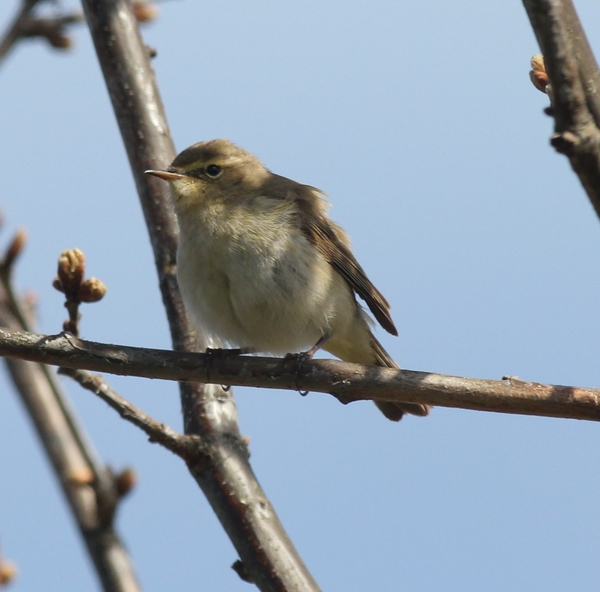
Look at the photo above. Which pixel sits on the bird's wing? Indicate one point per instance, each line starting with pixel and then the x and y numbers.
pixel 333 243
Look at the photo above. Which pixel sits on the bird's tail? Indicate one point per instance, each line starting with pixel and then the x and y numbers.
pixel 394 411
pixel 360 346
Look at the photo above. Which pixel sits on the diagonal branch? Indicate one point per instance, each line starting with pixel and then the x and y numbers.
pixel 575 88
pixel 184 446
pixel 227 479
pixel 347 382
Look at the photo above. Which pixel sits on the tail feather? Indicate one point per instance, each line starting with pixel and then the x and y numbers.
pixel 394 411
pixel 360 346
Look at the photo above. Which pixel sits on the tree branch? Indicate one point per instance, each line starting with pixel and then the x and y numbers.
pixel 575 88
pixel 184 446
pixel 347 382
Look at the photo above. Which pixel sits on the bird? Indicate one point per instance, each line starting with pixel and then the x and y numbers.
pixel 262 267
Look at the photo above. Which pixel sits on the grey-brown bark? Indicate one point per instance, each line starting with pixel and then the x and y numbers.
pixel 347 382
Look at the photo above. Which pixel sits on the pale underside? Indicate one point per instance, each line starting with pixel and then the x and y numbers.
pixel 257 284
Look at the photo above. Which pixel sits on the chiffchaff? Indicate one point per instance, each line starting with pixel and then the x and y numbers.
pixel 262 267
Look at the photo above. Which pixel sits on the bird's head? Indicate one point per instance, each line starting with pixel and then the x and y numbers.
pixel 215 170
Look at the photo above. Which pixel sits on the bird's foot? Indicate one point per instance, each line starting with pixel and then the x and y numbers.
pixel 302 357
pixel 299 359
pixel 223 351
pixel 214 353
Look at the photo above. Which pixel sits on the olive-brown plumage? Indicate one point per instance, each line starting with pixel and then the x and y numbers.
pixel 261 266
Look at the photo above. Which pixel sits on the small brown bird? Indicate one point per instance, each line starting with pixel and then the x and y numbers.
pixel 262 267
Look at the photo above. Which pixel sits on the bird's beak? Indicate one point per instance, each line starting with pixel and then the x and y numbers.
pixel 166 175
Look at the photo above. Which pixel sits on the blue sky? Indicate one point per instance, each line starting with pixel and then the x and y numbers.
pixel 420 123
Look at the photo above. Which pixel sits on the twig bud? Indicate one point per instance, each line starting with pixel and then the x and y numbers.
pixel 82 476
pixel 92 290
pixel 538 74
pixel 8 572
pixel 57 285
pixel 144 11
pixel 15 248
pixel 58 40
pixel 125 481
pixel 71 269
pixel 240 569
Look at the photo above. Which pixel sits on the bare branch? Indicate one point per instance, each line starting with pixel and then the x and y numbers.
pixel 575 88
pixel 226 478
pixel 347 382
pixel 184 446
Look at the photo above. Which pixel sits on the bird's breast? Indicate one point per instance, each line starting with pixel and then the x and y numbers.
pixel 256 281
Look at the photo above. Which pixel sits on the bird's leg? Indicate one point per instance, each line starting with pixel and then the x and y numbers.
pixel 315 348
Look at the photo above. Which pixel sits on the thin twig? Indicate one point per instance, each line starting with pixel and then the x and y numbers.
pixel 24 26
pixel 347 382
pixel 181 445
pixel 14 31
pixel 54 30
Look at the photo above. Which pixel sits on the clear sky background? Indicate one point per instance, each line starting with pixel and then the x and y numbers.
pixel 420 122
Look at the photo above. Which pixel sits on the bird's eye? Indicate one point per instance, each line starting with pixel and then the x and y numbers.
pixel 213 170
